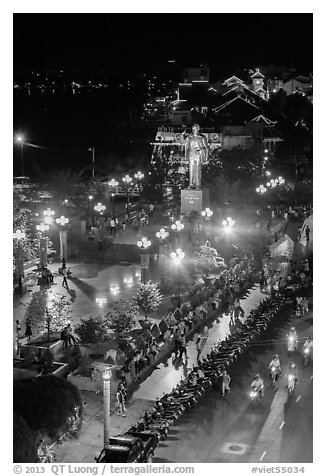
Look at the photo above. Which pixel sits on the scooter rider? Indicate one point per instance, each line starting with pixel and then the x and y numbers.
pixel 275 366
pixel 308 344
pixel 292 339
pixel 258 384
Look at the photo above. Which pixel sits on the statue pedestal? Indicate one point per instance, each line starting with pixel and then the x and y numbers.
pixel 193 200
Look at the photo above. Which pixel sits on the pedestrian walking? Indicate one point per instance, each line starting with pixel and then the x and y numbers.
pixel 120 399
pixel 226 379
pixel 28 330
pixel 64 264
pixel 307 231
pixel 65 274
pixel 298 312
pixel 205 332
pixel 198 347
pixel 70 335
pixel 112 226
pixel 64 337
pixel 182 347
pixel 151 208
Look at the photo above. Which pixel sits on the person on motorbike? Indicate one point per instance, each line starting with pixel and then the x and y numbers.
pixel 292 339
pixel 258 384
pixel 308 344
pixel 275 366
pixel 293 371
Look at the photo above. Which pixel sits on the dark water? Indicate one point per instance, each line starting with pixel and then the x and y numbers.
pixel 65 125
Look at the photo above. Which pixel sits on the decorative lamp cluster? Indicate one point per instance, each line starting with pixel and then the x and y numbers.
pixel 42 227
pixel 177 255
pixel 19 235
pixel 261 189
pixel 144 243
pixel 162 234
pixel 62 220
pixel 207 213
pixel 177 226
pixel 99 207
pixel 229 222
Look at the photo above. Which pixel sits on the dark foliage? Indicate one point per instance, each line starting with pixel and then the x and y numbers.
pixel 24 441
pixel 49 404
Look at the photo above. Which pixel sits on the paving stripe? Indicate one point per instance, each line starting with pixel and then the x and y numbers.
pixel 262 456
pixel 281 425
pixel 299 397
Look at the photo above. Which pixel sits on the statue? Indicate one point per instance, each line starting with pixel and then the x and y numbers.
pixel 196 151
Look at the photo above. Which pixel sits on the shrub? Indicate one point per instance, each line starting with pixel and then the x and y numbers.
pixel 92 330
pixel 148 297
pixel 121 317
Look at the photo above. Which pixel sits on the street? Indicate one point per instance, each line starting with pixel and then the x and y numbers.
pixel 277 429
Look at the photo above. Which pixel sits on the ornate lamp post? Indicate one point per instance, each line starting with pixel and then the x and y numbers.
pixel 42 228
pixel 161 236
pixel 107 375
pixel 48 216
pixel 177 257
pixel 18 236
pixel 113 184
pixel 139 177
pixel 127 180
pixel 228 223
pixel 261 190
pixel 177 227
pixel 144 244
pixel 63 237
pixel 100 209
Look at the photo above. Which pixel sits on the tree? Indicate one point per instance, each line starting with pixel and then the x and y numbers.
pixel 208 259
pixel 92 330
pixel 121 317
pixel 50 405
pixel 148 297
pixel 48 312
pixel 25 441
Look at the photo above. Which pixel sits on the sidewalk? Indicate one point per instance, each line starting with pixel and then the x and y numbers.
pixel 162 380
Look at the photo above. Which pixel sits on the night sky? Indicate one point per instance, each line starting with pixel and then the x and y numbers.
pixel 109 41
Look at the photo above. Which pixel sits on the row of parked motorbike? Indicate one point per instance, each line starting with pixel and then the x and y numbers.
pixel 187 393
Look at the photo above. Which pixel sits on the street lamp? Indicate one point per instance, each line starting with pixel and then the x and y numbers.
pixel 139 176
pixel 161 236
pixel 20 140
pixel 100 209
pixel 127 180
pixel 107 375
pixel 207 213
pixel 177 256
pixel 48 214
pixel 63 236
pixel 177 227
pixel 228 223
pixel 92 149
pixel 113 184
pixel 144 244
pixel 42 228
pixel 19 235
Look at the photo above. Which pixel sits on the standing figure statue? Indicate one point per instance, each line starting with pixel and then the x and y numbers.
pixel 196 152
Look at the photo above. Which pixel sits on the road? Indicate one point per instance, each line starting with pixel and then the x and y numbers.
pixel 277 429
